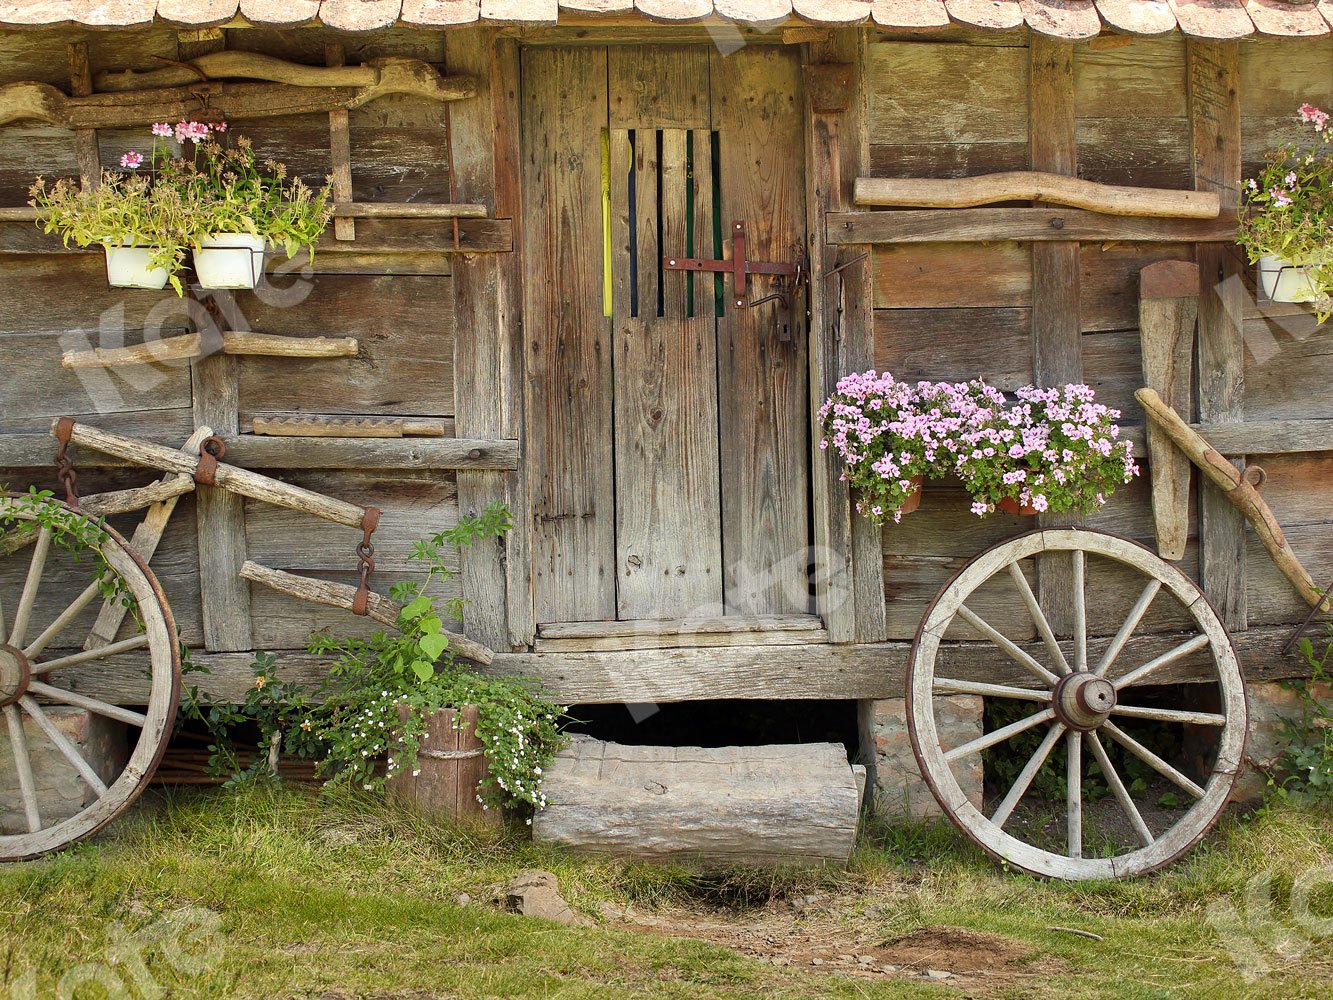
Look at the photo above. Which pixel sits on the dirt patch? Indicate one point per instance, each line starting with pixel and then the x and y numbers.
pixel 831 934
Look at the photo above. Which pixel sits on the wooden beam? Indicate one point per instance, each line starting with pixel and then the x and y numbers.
pixel 1026 225
pixel 340 151
pixel 312 425
pixel 850 576
pixel 1039 186
pixel 191 345
pixel 86 152
pixel 1214 106
pixel 824 672
pixel 1057 335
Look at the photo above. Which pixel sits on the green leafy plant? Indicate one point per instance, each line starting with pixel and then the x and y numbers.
pixel 1288 208
pixel 1304 771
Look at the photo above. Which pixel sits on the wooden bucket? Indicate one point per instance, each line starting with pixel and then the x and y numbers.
pixel 451 764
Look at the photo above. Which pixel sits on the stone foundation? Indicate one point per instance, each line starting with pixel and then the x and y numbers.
pixel 1270 706
pixel 900 790
pixel 61 792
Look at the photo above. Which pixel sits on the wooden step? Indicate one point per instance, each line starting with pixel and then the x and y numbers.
pixel 789 804
pixel 729 630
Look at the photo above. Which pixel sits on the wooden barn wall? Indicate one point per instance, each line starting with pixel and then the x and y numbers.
pixel 959 310
pixel 399 305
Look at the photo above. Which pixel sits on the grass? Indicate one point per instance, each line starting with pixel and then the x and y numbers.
pixel 279 893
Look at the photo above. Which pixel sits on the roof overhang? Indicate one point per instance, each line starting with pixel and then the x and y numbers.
pixel 1067 19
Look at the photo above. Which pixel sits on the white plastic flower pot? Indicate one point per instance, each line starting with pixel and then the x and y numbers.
pixel 1283 281
pixel 130 267
pixel 229 260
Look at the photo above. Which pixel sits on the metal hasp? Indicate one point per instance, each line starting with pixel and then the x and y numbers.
pixel 738 267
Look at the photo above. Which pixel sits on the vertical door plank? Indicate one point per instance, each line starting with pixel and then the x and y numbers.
pixel 1214 104
pixel 569 361
pixel 488 338
pixel 1057 339
pixel 668 535
pixel 705 303
pixel 646 172
pixel 849 581
pixel 763 381
pixel 622 222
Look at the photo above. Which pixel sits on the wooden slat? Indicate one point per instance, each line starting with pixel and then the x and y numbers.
pixel 85 140
pixel 340 150
pixel 569 363
pixel 646 174
pixel 685 640
pixel 1269 437
pixel 1138 17
pixel 909 13
pixel 1168 310
pixel 1214 96
pixel 658 86
pixel 1070 20
pixel 1057 337
pixel 731 624
pixel 489 337
pixel 259 452
pixel 1284 19
pixel 762 381
pixel 1025 224
pixel 1216 19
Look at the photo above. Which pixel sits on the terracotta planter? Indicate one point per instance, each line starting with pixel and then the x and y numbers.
pixel 913 500
pixel 1010 505
pixel 451 764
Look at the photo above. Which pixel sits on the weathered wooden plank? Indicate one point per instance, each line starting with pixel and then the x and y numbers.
pixel 1168 312
pixel 679 641
pixel 1214 96
pixel 321 425
pixel 830 672
pixel 221 514
pixel 849 583
pixel 261 452
pixel 340 149
pixel 729 624
pixel 489 346
pixel 658 87
pixel 1026 224
pixel 763 379
pixel 1057 340
pixel 569 358
pixel 783 805
pixel 928 275
pixel 1269 437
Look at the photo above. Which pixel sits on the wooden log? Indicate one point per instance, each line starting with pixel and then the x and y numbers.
pixel 1238 492
pixel 228 477
pixel 766 805
pixel 340 595
pixel 127 501
pixel 1168 310
pixel 977 225
pixel 385 210
pixel 231 101
pixel 233 65
pixel 451 764
pixel 191 345
pixel 323 426
pixel 1039 186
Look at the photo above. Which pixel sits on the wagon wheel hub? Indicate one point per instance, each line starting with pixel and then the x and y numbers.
pixel 14 675
pixel 1083 701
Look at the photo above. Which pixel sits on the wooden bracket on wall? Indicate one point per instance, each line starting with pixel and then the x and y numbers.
pixel 85 139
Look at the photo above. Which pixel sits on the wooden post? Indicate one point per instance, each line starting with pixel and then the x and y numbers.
pixel 488 335
pixel 1057 337
pixel 340 149
pixel 85 139
pixel 850 583
pixel 1214 105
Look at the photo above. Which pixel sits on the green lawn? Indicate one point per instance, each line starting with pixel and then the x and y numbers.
pixel 258 893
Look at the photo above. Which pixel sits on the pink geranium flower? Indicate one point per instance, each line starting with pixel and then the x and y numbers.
pixel 132 160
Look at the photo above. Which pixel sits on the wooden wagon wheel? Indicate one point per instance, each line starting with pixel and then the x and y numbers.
pixel 32 679
pixel 1081 708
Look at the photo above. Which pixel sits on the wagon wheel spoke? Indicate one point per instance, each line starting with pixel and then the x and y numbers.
pixel 1171 715
pixel 88 655
pixel 23 613
pixel 62 743
pixel 947 685
pixel 1136 614
pixel 1151 759
pixel 63 619
pixel 64 697
pixel 1137 675
pixel 1074 793
pixel 1010 649
pixel 18 743
pixel 1038 617
pixel 1080 613
pixel 1026 776
pixel 1120 792
pixel 999 735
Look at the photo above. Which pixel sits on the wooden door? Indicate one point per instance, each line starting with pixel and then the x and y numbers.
pixel 668 430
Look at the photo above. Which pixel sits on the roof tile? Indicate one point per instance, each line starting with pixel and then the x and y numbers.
pixel 360 15
pixel 197 13
pixel 279 12
pixel 1138 17
pixel 909 13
